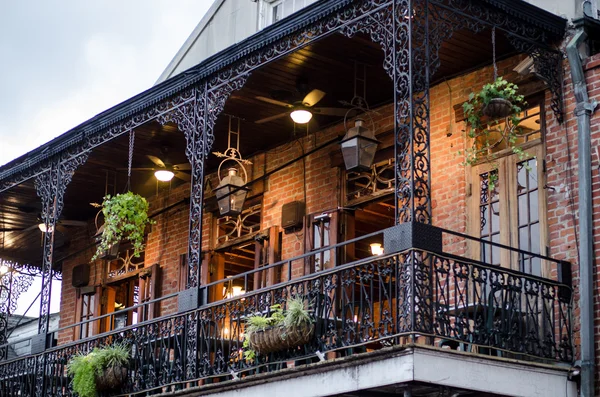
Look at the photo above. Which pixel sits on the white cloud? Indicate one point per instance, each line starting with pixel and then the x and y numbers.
pixel 72 60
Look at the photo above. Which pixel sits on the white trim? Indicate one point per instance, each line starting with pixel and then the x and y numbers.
pixel 432 366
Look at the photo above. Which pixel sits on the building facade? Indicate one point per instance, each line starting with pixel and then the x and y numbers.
pixel 421 275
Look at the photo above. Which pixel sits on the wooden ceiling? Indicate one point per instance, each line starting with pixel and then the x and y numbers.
pixel 327 65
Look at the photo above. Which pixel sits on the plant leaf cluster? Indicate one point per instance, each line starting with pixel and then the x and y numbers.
pixel 84 367
pixel 295 315
pixel 480 129
pixel 125 216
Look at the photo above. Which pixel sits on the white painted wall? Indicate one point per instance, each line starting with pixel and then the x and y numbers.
pixel 227 22
pixel 27 330
pixel 230 21
pixel 569 9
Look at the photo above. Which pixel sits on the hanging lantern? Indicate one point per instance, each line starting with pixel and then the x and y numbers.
pixel 229 197
pixel 358 147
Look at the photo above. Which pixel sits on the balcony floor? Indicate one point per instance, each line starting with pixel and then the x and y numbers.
pixel 424 370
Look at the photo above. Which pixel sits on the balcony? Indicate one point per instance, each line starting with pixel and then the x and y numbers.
pixel 415 300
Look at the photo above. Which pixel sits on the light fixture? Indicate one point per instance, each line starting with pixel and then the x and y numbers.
pixel 230 290
pixel 376 249
pixel 230 194
pixel 358 147
pixel 3 270
pixel 164 175
pixel 301 116
pixel 43 229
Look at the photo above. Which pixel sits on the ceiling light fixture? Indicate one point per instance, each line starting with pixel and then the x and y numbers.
pixel 301 116
pixel 164 175
pixel 42 227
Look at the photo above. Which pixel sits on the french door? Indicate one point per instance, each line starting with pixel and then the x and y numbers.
pixel 509 208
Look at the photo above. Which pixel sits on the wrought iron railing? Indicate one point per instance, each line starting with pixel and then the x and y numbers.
pixel 414 295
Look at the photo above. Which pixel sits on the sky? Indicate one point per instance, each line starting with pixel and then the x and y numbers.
pixel 64 61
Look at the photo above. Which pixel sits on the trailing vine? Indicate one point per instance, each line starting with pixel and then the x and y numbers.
pixel 487 132
pixel 125 217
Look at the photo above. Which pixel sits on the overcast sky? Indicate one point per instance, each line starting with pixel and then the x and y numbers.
pixel 64 61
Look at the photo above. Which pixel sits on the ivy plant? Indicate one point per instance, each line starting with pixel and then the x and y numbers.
pixel 125 217
pixel 485 133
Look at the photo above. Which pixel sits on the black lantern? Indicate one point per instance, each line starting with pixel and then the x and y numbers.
pixel 358 147
pixel 231 204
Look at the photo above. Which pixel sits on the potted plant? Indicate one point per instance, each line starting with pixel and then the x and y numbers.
pixel 125 216
pixel 101 369
pixel 492 118
pixel 279 331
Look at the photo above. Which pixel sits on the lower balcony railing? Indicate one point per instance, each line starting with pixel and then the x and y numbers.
pixel 414 295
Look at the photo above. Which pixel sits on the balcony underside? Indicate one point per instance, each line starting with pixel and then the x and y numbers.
pixel 422 370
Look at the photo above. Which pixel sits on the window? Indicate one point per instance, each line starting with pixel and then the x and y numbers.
pixel 513 211
pixel 86 312
pixel 276 10
pixel 320 238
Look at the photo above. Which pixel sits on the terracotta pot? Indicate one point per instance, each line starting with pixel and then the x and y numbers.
pixel 280 338
pixel 497 108
pixel 112 378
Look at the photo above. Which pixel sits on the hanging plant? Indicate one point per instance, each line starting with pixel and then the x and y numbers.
pixel 103 368
pixel 281 330
pixel 125 217
pixel 492 119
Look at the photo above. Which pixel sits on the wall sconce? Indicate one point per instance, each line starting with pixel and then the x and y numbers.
pixel 231 291
pixel 376 249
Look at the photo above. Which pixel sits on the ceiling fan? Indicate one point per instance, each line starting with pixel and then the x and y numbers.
pixel 164 171
pixel 302 108
pixel 40 225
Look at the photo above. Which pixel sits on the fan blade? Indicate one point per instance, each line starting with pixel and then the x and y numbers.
pixel 62 229
pixel 333 111
pixel 183 176
pixel 313 97
pixel 136 169
pixel 156 161
pixel 67 222
pixel 265 120
pixel 12 229
pixel 182 167
pixel 274 101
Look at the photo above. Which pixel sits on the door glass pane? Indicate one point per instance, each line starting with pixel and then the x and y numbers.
pixel 489 216
pixel 528 215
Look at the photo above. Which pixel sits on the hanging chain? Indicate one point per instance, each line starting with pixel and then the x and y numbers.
pixel 131 141
pixel 494 53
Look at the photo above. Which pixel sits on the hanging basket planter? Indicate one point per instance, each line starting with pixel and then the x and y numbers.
pixel 498 108
pixel 279 338
pixel 112 378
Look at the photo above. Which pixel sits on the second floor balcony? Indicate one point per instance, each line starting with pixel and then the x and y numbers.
pixel 414 301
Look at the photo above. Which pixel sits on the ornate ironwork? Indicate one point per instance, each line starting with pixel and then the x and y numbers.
pixel 384 302
pixel 123 264
pixel 12 284
pixel 378 180
pixel 246 223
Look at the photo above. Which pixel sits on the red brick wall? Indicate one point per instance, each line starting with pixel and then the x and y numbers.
pixel 562 178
